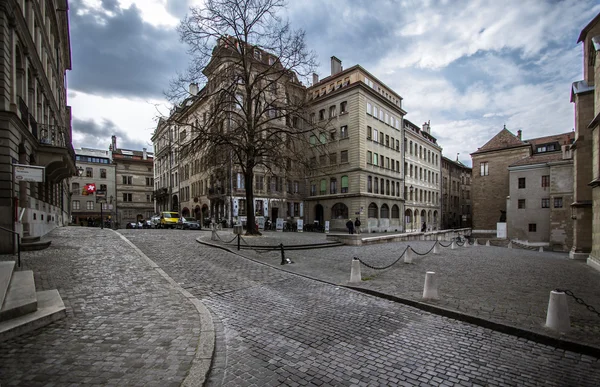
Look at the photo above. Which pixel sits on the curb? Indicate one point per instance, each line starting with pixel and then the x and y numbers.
pixel 202 362
pixel 512 330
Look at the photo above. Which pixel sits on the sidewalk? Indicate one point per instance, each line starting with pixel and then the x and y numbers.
pixel 500 286
pixel 127 324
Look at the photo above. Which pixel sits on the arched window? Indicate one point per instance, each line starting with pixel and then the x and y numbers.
pixel 344 184
pixel 395 212
pixel 385 211
pixel 339 211
pixel 373 210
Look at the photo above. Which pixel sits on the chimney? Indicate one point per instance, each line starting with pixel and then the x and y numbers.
pixel 426 127
pixel 336 65
pixel 145 154
pixel 519 133
pixel 114 142
pixel 193 88
pixel 315 78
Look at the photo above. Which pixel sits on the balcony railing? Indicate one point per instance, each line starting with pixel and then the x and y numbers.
pixel 54 135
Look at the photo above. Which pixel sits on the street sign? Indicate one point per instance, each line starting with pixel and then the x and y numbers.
pixel 29 173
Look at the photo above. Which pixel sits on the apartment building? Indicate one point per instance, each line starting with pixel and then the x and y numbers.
pixel 166 164
pixel 422 162
pixel 456 194
pixel 93 189
pixel 35 121
pixel 358 155
pixel 134 173
pixel 586 150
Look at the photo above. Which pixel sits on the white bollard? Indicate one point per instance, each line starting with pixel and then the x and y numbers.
pixel 487 243
pixel 453 246
pixel 558 312
pixel 510 245
pixel 541 250
pixel 466 244
pixel 475 243
pixel 355 271
pixel 408 255
pixel 213 236
pixel 430 290
pixel 436 248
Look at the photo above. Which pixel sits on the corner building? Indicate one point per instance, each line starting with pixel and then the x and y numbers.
pixel 358 157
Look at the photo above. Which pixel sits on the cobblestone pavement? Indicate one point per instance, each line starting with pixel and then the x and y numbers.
pixel 125 324
pixel 509 286
pixel 277 328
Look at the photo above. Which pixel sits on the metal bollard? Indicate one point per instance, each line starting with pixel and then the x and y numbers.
pixel 557 317
pixel 430 290
pixel 239 237
pixel 408 255
pixel 283 260
pixel 355 275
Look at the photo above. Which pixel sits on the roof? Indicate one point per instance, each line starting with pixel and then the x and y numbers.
pixel 587 28
pixel 539 158
pixel 562 139
pixel 135 153
pixel 503 140
pixel 580 87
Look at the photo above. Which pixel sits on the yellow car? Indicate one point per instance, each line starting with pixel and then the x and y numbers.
pixel 168 219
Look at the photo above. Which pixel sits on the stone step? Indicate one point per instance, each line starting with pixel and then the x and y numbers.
pixel 6 270
pixel 35 246
pixel 21 297
pixel 30 239
pixel 50 308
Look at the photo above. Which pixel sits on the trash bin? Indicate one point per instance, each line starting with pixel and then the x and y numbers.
pixel 237 229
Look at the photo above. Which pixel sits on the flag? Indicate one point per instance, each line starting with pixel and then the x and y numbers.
pixel 90 188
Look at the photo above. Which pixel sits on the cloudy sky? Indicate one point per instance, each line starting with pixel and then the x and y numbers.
pixel 469 67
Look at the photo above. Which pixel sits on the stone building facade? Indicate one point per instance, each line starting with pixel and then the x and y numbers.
pixel 35 121
pixel 456 194
pixel 358 156
pixel 587 149
pixel 422 172
pixel 94 167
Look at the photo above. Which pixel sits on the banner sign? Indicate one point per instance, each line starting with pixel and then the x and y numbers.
pixel 29 173
pixel 300 225
pixel 279 224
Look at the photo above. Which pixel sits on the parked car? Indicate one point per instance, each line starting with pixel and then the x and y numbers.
pixel 168 219
pixel 134 225
pixel 188 224
pixel 155 221
pixel 146 223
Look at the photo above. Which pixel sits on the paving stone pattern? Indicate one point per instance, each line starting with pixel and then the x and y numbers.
pixel 125 324
pixel 283 329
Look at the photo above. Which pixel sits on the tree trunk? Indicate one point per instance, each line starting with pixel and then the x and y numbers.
pixel 251 228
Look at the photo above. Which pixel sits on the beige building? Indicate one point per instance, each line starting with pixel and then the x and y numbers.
pixel 35 122
pixel 96 170
pixel 358 155
pixel 422 157
pixel 456 194
pixel 541 189
pixel 134 174
pixel 586 204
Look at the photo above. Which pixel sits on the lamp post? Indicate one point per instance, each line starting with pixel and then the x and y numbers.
pixel 412 226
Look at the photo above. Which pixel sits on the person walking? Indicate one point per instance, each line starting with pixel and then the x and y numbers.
pixel 350 226
pixel 357 225
pixel 424 227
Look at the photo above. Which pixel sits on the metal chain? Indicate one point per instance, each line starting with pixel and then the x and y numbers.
pixel 234 238
pixel 430 250
pixel 449 244
pixel 578 300
pixel 385 267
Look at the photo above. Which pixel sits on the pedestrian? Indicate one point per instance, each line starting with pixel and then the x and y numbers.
pixel 424 227
pixel 350 226
pixel 357 225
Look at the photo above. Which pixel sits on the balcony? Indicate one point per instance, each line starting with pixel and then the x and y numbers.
pixel 56 151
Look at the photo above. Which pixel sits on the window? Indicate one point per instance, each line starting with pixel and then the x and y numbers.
pixel 89 172
pixel 532 227
pixel 127 197
pixel 546 203
pixel 521 203
pixel 344 184
pixel 332 135
pixel 150 181
pixel 333 185
pixel 398 145
pixel 376 186
pixel 344 131
pixel 296 187
pixel 313 188
pixel 240 181
pixel 148 198
pixel 375 137
pixel 75 188
pixel 382 186
pixel 369 157
pixel 369 133
pixel 375 159
pixel 381 164
pixel 89 205
pixel 344 156
pixel 242 207
pixel 521 182
pixel 128 180
pixel 313 140
pixel 381 138
pixel 484 168
pixel 323 186
pixel 558 202
pixel 332 111
pixel 332 158
pixel 375 111
pixel 259 181
pixel 369 108
pixel 546 181
pixel 322 160
pixel 343 107
pixel 76 205
pixel 102 173
pixel 369 184
pixel 102 187
pixel 322 138
pixel 322 114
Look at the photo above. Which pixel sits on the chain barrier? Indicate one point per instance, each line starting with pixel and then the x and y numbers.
pixel 448 245
pixel 460 243
pixel 578 300
pixel 430 250
pixel 385 267
pixel 217 234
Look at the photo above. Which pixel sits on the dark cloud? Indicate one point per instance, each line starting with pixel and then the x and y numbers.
pixel 98 135
pixel 121 55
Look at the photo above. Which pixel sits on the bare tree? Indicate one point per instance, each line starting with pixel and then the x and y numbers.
pixel 251 109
